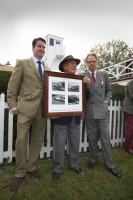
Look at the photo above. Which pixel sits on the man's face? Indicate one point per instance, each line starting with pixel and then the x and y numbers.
pixel 39 49
pixel 91 63
pixel 70 67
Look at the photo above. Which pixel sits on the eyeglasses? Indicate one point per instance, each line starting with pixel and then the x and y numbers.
pixel 94 61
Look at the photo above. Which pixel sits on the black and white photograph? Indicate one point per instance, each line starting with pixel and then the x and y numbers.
pixel 58 99
pixel 73 99
pixel 73 87
pixel 58 86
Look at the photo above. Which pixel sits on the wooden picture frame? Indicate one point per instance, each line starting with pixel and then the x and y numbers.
pixel 64 94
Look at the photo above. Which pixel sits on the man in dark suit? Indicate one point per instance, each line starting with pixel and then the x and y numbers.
pixel 127 107
pixel 24 96
pixel 97 115
pixel 67 128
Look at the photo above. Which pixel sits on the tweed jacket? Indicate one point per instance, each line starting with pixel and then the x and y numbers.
pixel 99 96
pixel 25 88
pixel 128 100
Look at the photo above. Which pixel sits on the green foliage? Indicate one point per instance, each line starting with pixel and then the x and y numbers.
pixel 111 53
pixel 118 92
pixel 4 79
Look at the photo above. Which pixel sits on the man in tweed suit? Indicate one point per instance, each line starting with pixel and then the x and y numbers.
pixel 128 113
pixel 24 96
pixel 99 95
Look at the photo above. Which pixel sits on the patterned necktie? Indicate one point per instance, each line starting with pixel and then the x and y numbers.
pixel 93 76
pixel 40 68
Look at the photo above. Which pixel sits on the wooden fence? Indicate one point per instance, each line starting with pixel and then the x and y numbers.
pixel 116 126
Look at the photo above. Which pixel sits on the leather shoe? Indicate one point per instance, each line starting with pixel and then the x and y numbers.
pixel 35 174
pixel 78 171
pixel 55 175
pixel 114 172
pixel 16 182
pixel 91 165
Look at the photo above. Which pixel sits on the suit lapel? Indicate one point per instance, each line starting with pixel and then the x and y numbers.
pixel 88 74
pixel 98 79
pixel 32 66
pixel 43 65
pixel 92 82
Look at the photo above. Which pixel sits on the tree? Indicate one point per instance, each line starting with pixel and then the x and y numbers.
pixel 111 53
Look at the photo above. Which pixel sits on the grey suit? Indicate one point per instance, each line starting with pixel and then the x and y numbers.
pixel 97 116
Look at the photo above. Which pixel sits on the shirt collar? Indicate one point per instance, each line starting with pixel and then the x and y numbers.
pixel 91 72
pixel 35 59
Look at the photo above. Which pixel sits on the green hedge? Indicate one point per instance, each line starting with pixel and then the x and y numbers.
pixel 118 92
pixel 4 79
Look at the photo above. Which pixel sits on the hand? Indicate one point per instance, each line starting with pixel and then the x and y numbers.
pixel 14 111
pixel 87 81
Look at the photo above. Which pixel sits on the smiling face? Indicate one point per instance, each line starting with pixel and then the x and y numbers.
pixel 70 66
pixel 39 49
pixel 91 62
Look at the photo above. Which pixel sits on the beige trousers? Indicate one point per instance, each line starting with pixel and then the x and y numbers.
pixel 30 132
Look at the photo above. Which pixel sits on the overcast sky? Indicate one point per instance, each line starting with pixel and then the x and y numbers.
pixel 82 23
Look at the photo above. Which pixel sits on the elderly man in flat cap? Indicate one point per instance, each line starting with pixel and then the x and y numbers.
pixel 67 127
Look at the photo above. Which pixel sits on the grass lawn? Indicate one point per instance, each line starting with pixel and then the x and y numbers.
pixel 96 184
